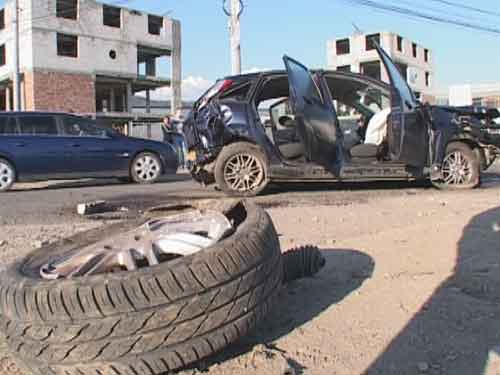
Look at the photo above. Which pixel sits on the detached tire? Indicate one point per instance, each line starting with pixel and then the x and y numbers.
pixel 151 321
pixel 461 168
pixel 241 170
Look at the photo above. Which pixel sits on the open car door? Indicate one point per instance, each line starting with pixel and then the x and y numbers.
pixel 408 134
pixel 315 116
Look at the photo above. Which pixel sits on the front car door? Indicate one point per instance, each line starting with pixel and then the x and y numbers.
pixel 408 133
pixel 315 117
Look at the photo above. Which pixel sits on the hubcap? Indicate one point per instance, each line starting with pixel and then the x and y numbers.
pixel 457 170
pixel 147 168
pixel 244 173
pixel 6 175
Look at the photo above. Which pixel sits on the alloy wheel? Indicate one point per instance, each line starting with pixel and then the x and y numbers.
pixel 457 169
pixel 147 168
pixel 6 175
pixel 244 173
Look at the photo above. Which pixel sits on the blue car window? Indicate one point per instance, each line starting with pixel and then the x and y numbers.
pixel 80 127
pixel 38 125
pixel 8 126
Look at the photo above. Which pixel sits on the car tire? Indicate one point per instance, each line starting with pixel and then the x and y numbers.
pixel 146 168
pixel 460 169
pixel 241 170
pixel 150 321
pixel 7 175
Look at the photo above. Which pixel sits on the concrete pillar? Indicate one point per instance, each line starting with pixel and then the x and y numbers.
pixel 148 101
pixel 8 104
pixel 129 97
pixel 176 79
pixel 23 96
pixel 112 104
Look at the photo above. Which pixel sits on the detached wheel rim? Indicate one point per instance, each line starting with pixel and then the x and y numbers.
pixel 457 169
pixel 244 173
pixel 6 175
pixel 147 168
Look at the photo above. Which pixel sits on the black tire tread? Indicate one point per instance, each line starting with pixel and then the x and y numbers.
pixel 149 321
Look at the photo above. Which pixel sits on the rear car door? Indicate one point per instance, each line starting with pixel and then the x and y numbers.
pixel 94 151
pixel 39 149
pixel 315 117
pixel 408 133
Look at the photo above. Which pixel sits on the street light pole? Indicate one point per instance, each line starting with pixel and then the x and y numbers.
pixel 17 78
pixel 234 14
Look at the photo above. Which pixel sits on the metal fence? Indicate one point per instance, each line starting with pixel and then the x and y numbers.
pixel 147 130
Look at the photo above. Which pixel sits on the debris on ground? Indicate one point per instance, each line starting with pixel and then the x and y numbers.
pixel 91 208
pixel 301 262
pixel 40 243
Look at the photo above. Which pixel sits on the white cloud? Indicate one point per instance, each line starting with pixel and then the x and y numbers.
pixel 255 70
pixel 192 88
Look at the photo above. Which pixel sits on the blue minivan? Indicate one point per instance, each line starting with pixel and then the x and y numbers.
pixel 38 146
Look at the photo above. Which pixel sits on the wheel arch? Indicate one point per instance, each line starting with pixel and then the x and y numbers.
pixel 475 147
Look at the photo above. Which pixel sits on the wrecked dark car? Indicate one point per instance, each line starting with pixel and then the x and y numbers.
pixel 299 125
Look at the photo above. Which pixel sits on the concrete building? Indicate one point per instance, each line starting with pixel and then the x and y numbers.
pixel 357 54
pixel 87 57
pixel 487 95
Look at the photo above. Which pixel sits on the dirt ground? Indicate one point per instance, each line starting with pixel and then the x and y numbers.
pixel 411 286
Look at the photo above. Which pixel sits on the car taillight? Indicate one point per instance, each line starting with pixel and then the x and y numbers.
pixel 226 85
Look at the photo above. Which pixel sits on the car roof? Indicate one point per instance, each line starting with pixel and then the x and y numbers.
pixel 253 76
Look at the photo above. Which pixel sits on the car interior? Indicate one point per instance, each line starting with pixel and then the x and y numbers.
pixel 362 110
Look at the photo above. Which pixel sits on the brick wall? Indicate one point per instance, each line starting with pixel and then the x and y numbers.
pixel 56 91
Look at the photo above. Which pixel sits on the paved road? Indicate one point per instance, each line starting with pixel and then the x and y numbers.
pixel 55 202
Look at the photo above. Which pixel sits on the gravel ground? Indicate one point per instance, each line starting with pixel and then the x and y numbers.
pixel 411 286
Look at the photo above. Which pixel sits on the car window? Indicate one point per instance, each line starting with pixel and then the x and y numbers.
pixel 302 82
pixel 407 95
pixel 8 126
pixel 38 125
pixel 80 127
pixel 239 93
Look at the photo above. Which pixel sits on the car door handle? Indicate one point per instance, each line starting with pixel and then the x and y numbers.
pixel 20 144
pixel 75 145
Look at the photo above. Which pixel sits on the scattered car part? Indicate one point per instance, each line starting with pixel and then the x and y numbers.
pixel 147 321
pixel 7 175
pixel 305 261
pixel 90 208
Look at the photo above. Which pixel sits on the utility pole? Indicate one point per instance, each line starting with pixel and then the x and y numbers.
pixel 17 78
pixel 234 14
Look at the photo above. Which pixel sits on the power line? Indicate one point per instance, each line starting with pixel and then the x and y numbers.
pixel 420 15
pixel 69 11
pixel 467 7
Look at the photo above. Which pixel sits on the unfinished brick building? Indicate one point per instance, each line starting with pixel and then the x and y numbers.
pixel 87 57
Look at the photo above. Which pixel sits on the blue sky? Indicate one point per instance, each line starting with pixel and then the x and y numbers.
pixel 301 29
pixel 271 28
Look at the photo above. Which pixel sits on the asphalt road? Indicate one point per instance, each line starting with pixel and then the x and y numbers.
pixel 55 202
